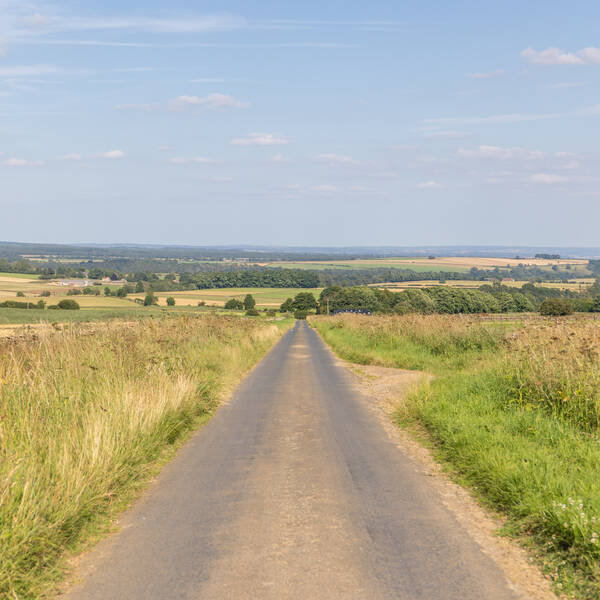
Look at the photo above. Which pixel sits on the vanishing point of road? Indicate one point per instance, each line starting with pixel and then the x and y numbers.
pixel 293 490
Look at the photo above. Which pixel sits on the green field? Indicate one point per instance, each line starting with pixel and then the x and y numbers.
pixel 351 265
pixel 20 275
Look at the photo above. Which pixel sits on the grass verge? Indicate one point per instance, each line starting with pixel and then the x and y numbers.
pixel 515 414
pixel 85 414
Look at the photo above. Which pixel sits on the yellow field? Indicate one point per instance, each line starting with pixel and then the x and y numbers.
pixel 579 285
pixel 265 297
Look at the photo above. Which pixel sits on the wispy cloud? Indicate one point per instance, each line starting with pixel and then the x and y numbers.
pixel 486 75
pixel 429 185
pixel 556 56
pixel 446 135
pixel 31 70
pixel 135 107
pixel 492 119
pixel 112 154
pixel 21 162
pixel 198 160
pixel 548 178
pixel 496 152
pixel 70 157
pixel 337 159
pixel 261 139
pixel 212 102
pixel 39 23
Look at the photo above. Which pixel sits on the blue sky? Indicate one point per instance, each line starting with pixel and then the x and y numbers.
pixel 300 123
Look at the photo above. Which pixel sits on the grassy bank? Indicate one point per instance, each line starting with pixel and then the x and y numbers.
pixel 85 413
pixel 516 411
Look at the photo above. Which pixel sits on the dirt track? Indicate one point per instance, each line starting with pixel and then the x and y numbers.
pixel 293 490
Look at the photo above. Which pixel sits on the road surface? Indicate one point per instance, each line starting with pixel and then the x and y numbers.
pixel 292 491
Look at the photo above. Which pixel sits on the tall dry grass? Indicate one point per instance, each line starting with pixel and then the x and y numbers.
pixel 84 413
pixel 555 365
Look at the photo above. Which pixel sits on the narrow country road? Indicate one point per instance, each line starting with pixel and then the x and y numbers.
pixel 292 490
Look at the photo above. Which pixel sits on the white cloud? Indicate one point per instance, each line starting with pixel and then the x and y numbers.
pixel 446 135
pixel 21 162
pixel 548 178
pixel 30 70
pixel 199 160
pixel 261 139
pixel 325 188
pixel 429 185
pixel 497 152
pixel 487 75
pixel 337 159
pixel 72 156
pixel 556 56
pixel 113 154
pixel 591 110
pixel 134 107
pixel 199 24
pixel 566 85
pixel 493 119
pixel 212 101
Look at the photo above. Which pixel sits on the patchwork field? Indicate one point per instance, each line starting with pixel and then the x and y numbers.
pixel 577 285
pixel 457 264
pixel 265 297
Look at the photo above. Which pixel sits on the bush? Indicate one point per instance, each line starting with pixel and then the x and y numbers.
pixel 271 312
pixel 45 294
pixel 252 312
pixel 170 301
pixel 68 305
pixel 234 304
pixel 74 292
pixel 201 303
pixel 300 314
pixel 249 302
pixel 150 299
pixel 20 295
pixel 287 305
pixel 556 307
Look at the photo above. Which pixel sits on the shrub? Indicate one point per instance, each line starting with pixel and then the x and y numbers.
pixel 74 292
pixel 68 305
pixel 20 295
pixel 234 304
pixel 249 302
pixel 150 299
pixel 300 314
pixel 287 305
pixel 45 294
pixel 271 312
pixel 170 301
pixel 556 307
pixel 201 303
pixel 252 312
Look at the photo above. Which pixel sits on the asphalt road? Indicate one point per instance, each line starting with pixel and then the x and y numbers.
pixel 292 490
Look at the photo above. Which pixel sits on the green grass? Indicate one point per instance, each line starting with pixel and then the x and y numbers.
pixel 514 416
pixel 20 275
pixel 86 419
pixel 352 265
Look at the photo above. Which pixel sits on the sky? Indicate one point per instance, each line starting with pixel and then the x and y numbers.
pixel 300 123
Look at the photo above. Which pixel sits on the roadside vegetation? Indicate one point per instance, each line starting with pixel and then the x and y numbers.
pixel 87 413
pixel 514 408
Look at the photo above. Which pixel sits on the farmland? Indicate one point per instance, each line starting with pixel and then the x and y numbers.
pixel 423 265
pixel 514 410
